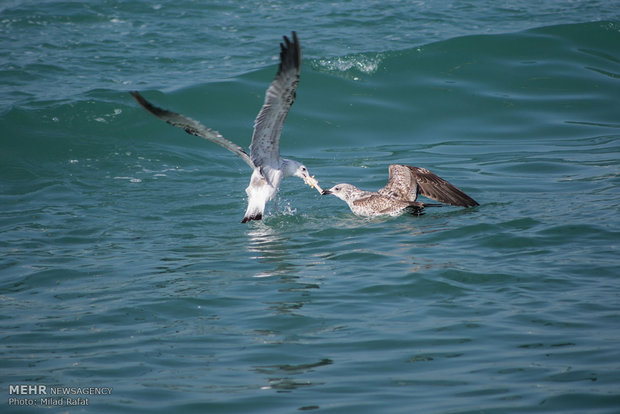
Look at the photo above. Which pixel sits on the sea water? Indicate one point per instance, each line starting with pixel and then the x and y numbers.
pixel 124 267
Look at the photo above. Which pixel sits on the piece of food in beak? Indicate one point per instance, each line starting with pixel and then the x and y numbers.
pixel 313 183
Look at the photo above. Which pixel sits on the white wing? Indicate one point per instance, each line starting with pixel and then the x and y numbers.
pixel 265 147
pixel 193 127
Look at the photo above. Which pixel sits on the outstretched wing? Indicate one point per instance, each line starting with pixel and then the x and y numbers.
pixel 192 127
pixel 265 147
pixel 401 185
pixel 406 182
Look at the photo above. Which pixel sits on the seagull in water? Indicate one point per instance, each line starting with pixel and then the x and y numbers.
pixel 269 168
pixel 400 193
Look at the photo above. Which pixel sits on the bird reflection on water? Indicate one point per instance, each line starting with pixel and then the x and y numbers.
pixel 272 251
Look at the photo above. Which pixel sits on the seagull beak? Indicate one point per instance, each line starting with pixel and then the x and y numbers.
pixel 326 192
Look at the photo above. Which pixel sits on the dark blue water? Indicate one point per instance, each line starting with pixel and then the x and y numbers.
pixel 124 264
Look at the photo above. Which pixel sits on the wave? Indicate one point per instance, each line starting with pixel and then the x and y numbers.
pixel 540 82
pixel 350 66
pixel 595 38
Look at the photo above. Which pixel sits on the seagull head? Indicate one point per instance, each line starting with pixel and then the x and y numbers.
pixel 299 170
pixel 342 191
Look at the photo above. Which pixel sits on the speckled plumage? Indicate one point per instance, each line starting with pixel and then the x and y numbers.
pixel 406 183
pixel 400 193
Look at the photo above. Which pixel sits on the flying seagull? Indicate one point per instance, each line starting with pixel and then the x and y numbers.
pixel 401 192
pixel 264 158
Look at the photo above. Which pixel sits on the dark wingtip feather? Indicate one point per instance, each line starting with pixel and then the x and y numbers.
pixel 136 95
pixel 290 53
pixel 465 200
pixel 473 203
pixel 147 105
pixel 432 186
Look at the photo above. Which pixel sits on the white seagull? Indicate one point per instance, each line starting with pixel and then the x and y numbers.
pixel 269 168
pixel 400 193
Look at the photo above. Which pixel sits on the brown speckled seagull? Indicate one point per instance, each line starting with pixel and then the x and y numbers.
pixel 269 168
pixel 400 193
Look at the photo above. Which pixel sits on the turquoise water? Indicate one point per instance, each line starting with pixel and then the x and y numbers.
pixel 124 264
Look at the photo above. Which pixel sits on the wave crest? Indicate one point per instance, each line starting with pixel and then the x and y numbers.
pixel 351 66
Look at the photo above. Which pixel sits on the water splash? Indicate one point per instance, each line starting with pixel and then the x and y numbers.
pixel 351 66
